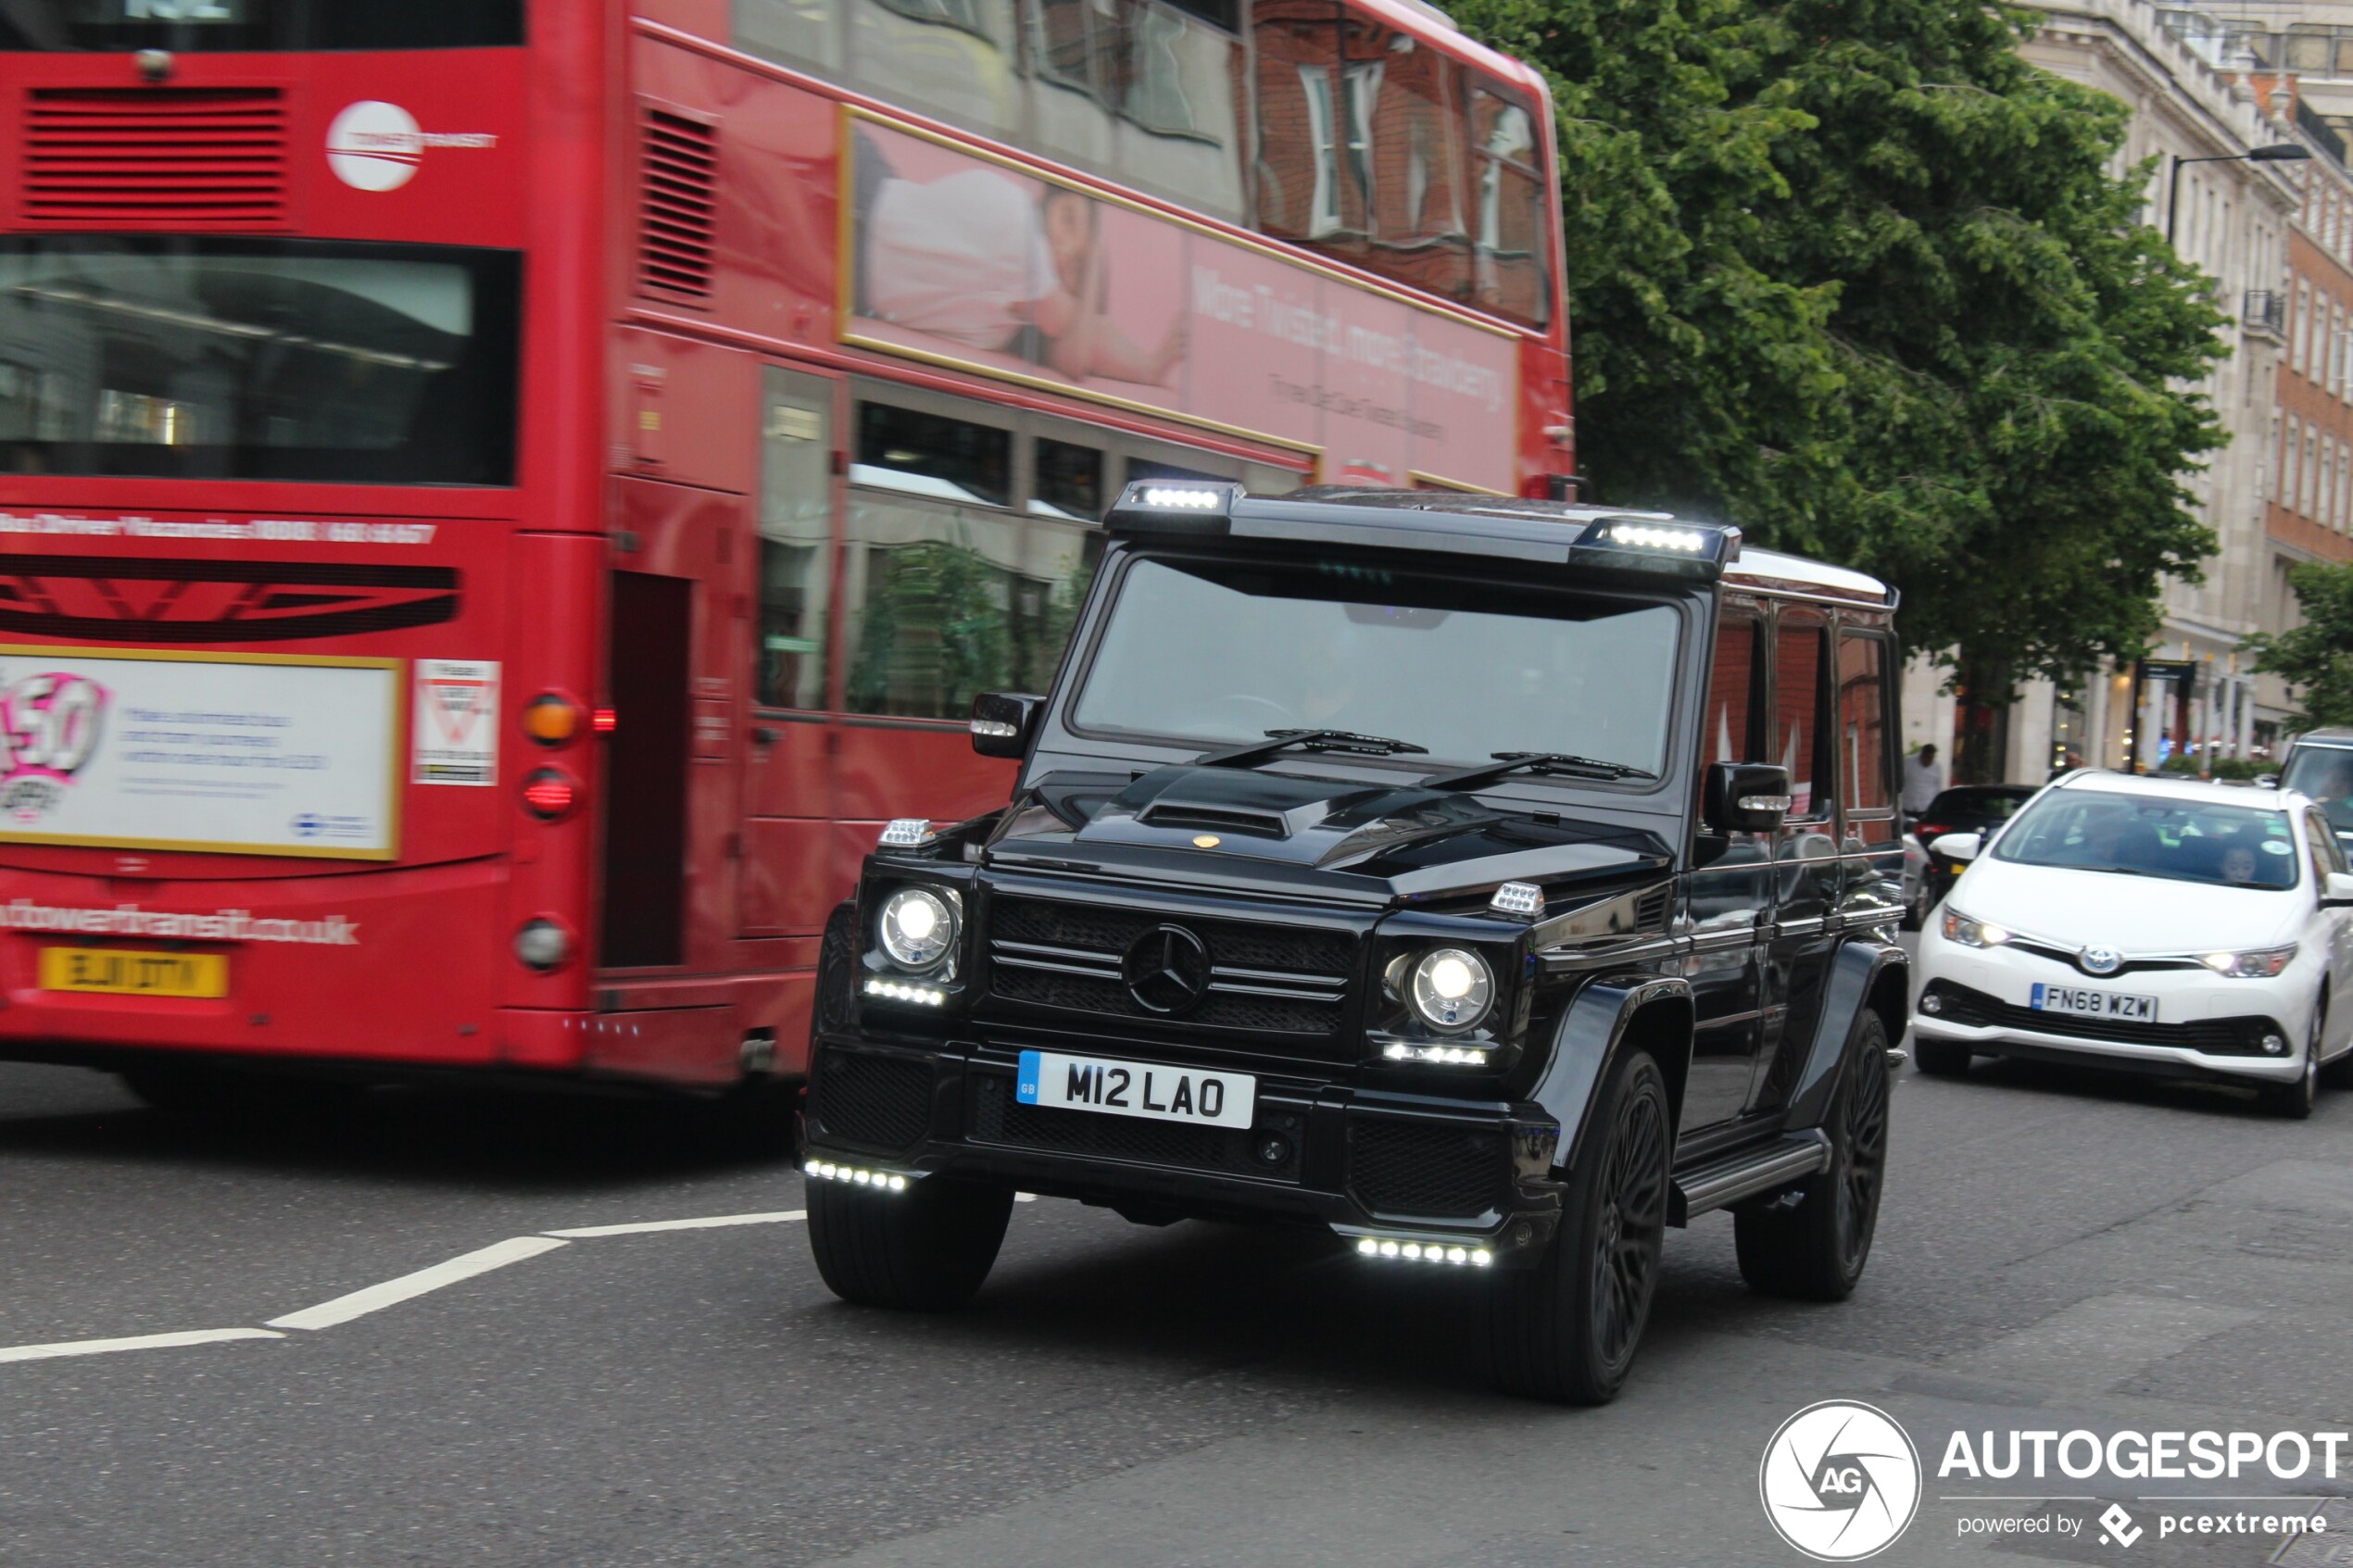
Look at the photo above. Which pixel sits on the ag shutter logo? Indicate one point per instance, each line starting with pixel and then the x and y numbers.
pixel 1840 1481
pixel 373 146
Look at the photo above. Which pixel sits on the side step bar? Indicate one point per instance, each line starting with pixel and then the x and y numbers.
pixel 1745 1172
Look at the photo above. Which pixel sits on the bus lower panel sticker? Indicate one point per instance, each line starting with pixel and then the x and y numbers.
pixel 226 752
pixel 454 736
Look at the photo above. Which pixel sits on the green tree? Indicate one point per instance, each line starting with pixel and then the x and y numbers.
pixel 1854 275
pixel 2316 658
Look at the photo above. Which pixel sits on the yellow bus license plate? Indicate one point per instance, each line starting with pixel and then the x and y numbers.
pixel 121 972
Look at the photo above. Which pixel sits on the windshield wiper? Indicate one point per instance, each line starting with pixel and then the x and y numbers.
pixel 1278 741
pixel 1551 763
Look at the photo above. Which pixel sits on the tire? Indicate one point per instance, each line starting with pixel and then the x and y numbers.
pixel 1812 1247
pixel 2294 1101
pixel 1565 1331
pixel 926 1249
pixel 1941 1058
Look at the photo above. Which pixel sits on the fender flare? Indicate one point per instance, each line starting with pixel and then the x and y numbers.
pixel 1588 1039
pixel 1856 972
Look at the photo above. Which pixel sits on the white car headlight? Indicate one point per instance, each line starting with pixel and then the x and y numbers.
pixel 1450 988
pixel 918 928
pixel 2262 963
pixel 1969 932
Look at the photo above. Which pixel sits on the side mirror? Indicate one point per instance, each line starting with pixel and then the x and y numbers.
pixel 1002 723
pixel 2338 895
pixel 1746 796
pixel 1959 846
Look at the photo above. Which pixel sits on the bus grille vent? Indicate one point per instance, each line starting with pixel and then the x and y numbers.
pixel 210 158
pixel 680 217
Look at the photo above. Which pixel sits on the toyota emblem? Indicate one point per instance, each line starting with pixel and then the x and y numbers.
pixel 2100 960
pixel 1166 970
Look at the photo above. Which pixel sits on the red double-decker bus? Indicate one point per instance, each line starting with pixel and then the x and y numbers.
pixel 500 499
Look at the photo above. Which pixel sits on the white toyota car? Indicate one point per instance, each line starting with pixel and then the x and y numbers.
pixel 2166 927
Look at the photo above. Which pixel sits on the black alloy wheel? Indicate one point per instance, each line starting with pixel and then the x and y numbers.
pixel 1810 1244
pixel 1566 1329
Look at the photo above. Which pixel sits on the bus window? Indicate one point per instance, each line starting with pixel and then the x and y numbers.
pixel 933 547
pixel 796 539
pixel 1512 267
pixel 189 26
pixel 806 31
pixel 1069 483
pixel 1862 724
pixel 1298 171
pixel 1416 165
pixel 954 57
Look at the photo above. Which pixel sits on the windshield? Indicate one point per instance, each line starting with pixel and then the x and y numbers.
pixel 2324 773
pixel 258 360
pixel 185 26
pixel 2146 835
pixel 1218 653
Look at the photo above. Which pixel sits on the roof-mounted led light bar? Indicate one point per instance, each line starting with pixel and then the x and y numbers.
pixel 1657 543
pixel 1174 506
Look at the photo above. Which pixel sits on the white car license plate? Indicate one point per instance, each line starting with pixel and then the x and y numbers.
pixel 2077 1002
pixel 1136 1088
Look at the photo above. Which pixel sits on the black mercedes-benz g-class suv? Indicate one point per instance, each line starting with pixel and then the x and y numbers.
pixel 1494 884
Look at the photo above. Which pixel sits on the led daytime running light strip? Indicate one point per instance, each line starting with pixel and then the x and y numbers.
pixel 1426 1252
pixel 1453 1056
pixel 894 991
pixel 881 1181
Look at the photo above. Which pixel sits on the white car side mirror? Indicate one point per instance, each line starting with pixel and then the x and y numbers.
pixel 1959 846
pixel 2339 892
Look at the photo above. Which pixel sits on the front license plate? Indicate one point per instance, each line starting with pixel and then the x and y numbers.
pixel 1136 1088
pixel 2077 1002
pixel 123 973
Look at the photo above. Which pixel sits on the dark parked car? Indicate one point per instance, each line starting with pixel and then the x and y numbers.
pixel 1963 808
pixel 2320 765
pixel 1493 884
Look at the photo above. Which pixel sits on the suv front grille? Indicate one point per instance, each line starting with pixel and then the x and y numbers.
pixel 999 1118
pixel 1424 1169
pixel 1266 979
pixel 883 1102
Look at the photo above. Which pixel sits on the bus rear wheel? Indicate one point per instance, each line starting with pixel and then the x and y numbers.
pixel 926 1250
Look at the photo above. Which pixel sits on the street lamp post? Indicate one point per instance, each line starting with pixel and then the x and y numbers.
pixel 2277 152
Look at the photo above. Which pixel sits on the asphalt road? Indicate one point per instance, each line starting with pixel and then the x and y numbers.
pixel 2056 1251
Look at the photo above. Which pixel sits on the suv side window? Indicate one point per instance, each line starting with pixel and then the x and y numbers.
pixel 1735 689
pixel 1863 760
pixel 1798 737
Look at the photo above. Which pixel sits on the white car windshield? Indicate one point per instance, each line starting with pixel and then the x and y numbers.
pixel 1214 653
pixel 2146 835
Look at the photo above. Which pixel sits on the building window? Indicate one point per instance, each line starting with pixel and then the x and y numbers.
pixel 2311 473
pixel 2285 495
pixel 2301 327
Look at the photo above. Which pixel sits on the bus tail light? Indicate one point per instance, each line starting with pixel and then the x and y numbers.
pixel 549 794
pixel 605 721
pixel 542 945
pixel 552 719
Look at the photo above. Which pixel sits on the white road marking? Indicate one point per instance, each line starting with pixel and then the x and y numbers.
pixel 392 1292
pixel 783 1217
pixel 138 1342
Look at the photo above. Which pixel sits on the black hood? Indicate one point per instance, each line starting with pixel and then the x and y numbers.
pixel 1238 827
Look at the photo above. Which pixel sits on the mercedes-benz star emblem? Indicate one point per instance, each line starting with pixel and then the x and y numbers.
pixel 1166 970
pixel 2100 960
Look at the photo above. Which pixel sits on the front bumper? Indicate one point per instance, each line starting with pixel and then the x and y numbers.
pixel 1419 1169
pixel 2207 1027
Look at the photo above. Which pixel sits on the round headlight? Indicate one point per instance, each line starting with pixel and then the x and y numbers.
pixel 1452 989
pixel 918 928
pixel 542 945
